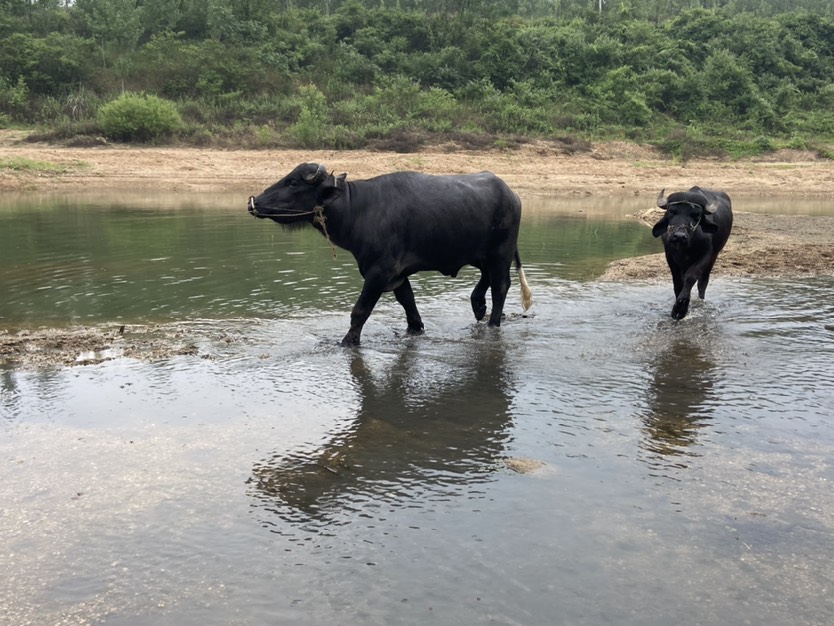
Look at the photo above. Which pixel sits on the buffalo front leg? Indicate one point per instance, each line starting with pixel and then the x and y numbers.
pixel 371 291
pixel 405 296
pixel 690 277
pixel 682 295
pixel 478 297
pixel 681 306
pixel 677 275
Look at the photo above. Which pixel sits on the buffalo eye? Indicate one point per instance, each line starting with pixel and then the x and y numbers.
pixel 292 182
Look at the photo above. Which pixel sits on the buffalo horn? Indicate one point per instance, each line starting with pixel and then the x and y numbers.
pixel 320 173
pixel 661 199
pixel 709 207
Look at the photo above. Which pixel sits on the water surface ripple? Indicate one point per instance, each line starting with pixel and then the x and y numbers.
pixel 596 460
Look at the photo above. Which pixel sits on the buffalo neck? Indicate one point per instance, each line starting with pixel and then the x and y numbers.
pixel 338 218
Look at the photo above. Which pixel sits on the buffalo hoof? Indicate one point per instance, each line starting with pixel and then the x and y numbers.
pixel 350 341
pixel 414 330
pixel 680 309
pixel 479 311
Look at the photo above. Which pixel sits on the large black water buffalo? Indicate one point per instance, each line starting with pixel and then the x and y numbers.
pixel 694 229
pixel 407 222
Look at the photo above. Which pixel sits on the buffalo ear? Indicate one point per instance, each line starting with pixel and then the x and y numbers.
pixel 333 187
pixel 659 228
pixel 708 224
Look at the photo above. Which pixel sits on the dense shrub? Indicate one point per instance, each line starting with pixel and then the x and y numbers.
pixel 13 97
pixel 139 117
pixel 348 73
pixel 47 64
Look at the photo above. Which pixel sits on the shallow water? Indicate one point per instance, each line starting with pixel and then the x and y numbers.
pixel 86 260
pixel 681 470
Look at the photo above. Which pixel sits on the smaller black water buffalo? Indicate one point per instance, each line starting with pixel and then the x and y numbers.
pixel 406 222
pixel 694 229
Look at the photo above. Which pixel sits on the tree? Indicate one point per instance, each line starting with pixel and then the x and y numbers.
pixel 115 25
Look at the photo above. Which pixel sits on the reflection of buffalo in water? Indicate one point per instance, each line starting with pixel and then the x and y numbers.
pixel 682 383
pixel 426 424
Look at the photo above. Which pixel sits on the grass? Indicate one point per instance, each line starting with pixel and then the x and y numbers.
pixel 18 164
pixel 23 165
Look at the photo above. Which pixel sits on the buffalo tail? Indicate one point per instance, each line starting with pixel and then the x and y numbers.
pixel 526 294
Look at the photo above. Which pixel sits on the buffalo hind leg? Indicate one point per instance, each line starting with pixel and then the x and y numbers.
pixel 478 297
pixel 405 296
pixel 499 285
pixel 371 291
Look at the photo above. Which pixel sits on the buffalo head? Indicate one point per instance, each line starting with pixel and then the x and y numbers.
pixel 295 198
pixel 685 212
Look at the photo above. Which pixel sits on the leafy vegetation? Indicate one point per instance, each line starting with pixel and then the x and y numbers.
pixel 694 77
pixel 139 117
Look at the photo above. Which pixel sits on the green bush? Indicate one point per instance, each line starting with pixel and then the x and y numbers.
pixel 139 117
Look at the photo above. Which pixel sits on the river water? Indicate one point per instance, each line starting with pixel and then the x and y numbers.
pixel 592 463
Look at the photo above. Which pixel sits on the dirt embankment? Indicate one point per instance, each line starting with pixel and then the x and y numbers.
pixel 539 168
pixel 761 245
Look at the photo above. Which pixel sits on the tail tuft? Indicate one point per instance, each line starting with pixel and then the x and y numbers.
pixel 526 294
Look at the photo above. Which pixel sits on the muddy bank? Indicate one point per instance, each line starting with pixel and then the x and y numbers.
pixel 90 345
pixel 765 246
